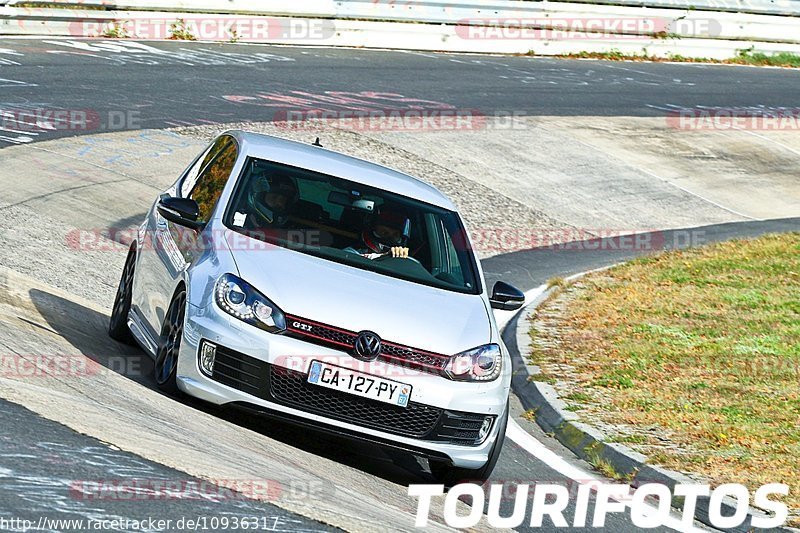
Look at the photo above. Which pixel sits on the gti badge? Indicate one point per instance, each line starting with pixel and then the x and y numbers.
pixel 367 346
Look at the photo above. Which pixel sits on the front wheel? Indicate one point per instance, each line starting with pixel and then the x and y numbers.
pixel 171 334
pixel 449 475
pixel 118 324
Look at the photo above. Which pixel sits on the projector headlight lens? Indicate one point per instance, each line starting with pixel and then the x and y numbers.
pixel 478 364
pixel 239 299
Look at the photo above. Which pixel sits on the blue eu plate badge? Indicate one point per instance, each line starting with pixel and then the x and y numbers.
pixel 313 373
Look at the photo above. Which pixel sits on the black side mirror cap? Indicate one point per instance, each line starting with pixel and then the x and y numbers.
pixel 182 211
pixel 506 297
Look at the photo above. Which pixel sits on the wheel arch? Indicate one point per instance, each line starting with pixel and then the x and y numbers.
pixel 180 286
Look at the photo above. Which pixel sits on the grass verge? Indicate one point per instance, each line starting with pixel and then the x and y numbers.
pixel 744 57
pixel 692 357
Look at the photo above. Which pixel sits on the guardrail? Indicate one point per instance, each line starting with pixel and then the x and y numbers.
pixel 441 25
pixel 431 11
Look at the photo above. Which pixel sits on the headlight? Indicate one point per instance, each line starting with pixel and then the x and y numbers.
pixel 237 298
pixel 479 364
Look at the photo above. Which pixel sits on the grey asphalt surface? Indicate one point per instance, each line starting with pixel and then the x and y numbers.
pixel 48 471
pixel 530 268
pixel 153 85
pixel 186 83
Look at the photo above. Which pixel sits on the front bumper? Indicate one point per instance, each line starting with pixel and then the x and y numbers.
pixel 273 382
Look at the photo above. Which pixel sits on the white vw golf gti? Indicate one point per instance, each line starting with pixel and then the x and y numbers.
pixel 324 290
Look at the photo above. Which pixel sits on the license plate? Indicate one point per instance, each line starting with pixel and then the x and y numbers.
pixel 359 384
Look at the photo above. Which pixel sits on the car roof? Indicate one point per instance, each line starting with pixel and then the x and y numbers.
pixel 310 157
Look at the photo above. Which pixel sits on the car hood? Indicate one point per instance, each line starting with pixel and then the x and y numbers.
pixel 398 311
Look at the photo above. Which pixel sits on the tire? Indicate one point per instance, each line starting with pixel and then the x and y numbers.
pixel 118 324
pixel 165 368
pixel 449 475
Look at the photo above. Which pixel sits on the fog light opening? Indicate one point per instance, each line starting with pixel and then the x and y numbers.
pixel 208 353
pixel 485 428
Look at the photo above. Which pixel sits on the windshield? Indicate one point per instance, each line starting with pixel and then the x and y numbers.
pixel 352 224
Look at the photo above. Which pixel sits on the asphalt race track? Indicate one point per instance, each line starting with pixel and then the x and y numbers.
pixel 41 460
pixel 171 84
pixel 162 85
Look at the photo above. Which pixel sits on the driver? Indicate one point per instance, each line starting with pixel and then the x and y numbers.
pixel 272 198
pixel 385 234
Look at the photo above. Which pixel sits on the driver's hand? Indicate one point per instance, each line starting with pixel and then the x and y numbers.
pixel 399 251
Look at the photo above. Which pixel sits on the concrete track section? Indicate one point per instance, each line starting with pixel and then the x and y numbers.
pixel 634 173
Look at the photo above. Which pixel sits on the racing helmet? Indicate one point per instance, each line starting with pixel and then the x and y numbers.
pixel 386 228
pixel 265 185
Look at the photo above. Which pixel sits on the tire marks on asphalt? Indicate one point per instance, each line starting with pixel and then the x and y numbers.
pixel 47 470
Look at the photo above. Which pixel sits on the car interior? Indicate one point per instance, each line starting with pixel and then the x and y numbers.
pixel 331 214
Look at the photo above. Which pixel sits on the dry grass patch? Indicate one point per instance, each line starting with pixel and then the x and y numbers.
pixel 692 357
pixel 743 57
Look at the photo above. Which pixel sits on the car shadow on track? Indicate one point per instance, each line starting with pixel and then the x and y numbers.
pixel 86 330
pixel 124 230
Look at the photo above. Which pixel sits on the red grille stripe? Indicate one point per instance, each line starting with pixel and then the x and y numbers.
pixel 415 363
pixel 307 334
pixel 411 357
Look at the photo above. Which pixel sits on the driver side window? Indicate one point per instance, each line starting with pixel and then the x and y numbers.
pixel 208 186
pixel 191 175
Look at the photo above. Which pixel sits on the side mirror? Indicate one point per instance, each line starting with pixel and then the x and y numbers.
pixel 506 297
pixel 183 211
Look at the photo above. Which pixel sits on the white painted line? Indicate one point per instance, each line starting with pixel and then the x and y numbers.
pixel 14 83
pixel 548 457
pixel 20 132
pixel 16 140
pixel 700 196
pixel 735 128
pixel 770 141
